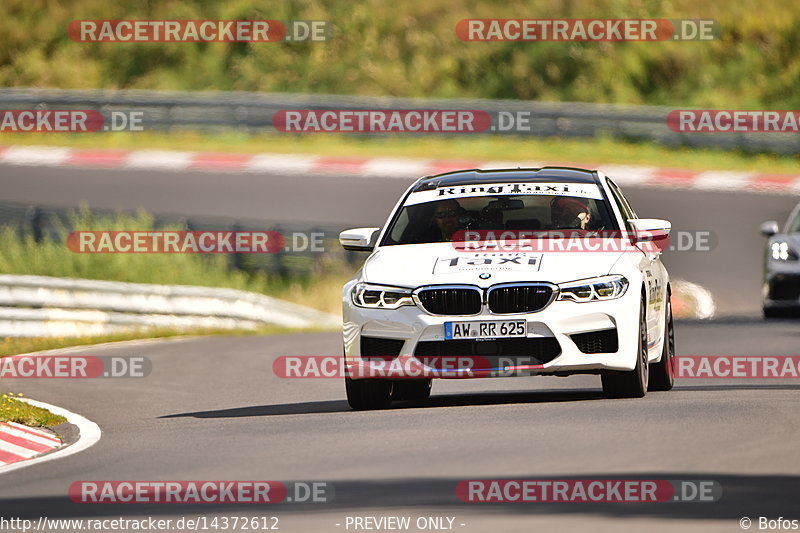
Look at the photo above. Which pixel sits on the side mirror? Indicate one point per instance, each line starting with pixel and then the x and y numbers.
pixel 359 239
pixel 769 228
pixel 649 229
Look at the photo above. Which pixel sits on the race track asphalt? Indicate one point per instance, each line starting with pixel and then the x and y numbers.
pixel 212 409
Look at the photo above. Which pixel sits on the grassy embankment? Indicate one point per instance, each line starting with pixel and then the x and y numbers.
pixel 12 409
pixel 412 50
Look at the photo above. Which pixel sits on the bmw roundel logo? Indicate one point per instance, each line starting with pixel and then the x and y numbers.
pixel 485 275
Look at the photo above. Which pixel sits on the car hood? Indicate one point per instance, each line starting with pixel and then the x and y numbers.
pixel 792 238
pixel 412 265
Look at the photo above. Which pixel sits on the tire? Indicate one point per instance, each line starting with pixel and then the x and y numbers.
pixel 662 374
pixel 412 389
pixel 776 312
pixel 633 383
pixel 368 394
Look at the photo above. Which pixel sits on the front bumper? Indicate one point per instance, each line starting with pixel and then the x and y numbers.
pixel 782 288
pixel 409 334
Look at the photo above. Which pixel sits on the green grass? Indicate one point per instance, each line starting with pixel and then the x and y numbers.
pixel 555 151
pixel 23 255
pixel 14 410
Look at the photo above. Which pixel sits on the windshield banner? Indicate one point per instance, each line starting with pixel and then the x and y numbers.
pixel 580 190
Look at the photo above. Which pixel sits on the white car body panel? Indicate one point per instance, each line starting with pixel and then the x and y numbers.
pixel 414 265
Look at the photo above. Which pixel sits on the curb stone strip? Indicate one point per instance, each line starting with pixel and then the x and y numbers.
pixel 18 442
pixel 88 433
pixel 375 167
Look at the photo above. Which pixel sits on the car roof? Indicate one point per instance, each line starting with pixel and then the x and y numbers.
pixel 544 174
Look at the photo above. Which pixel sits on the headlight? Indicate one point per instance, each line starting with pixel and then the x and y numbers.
pixel 380 296
pixel 781 252
pixel 589 290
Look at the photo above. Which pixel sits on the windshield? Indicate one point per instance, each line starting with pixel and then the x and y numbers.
pixel 794 225
pixel 447 219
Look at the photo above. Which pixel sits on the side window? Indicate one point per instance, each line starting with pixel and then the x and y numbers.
pixel 624 208
pixel 400 226
pixel 794 225
pixel 622 198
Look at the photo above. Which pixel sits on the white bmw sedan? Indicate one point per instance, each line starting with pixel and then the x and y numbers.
pixel 505 273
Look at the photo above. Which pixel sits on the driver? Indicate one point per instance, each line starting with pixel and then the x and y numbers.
pixel 567 212
pixel 447 216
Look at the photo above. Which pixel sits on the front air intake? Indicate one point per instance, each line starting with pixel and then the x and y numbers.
pixel 520 298
pixel 380 348
pixel 602 341
pixel 451 300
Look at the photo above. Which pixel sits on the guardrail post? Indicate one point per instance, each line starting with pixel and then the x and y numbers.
pixel 35 221
pixel 235 260
pixel 280 256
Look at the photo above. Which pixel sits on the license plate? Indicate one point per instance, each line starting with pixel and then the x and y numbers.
pixel 490 329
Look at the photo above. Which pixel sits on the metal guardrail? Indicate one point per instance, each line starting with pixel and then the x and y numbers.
pixel 254 112
pixel 41 306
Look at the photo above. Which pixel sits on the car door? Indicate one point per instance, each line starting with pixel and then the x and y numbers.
pixel 653 272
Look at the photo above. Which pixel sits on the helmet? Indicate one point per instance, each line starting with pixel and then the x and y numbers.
pixel 568 207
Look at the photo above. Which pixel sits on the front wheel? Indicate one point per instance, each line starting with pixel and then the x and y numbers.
pixel 662 376
pixel 411 389
pixel 777 312
pixel 368 394
pixel 632 383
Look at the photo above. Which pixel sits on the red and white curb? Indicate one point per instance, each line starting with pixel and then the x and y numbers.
pixel 30 446
pixel 378 167
pixel 18 442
